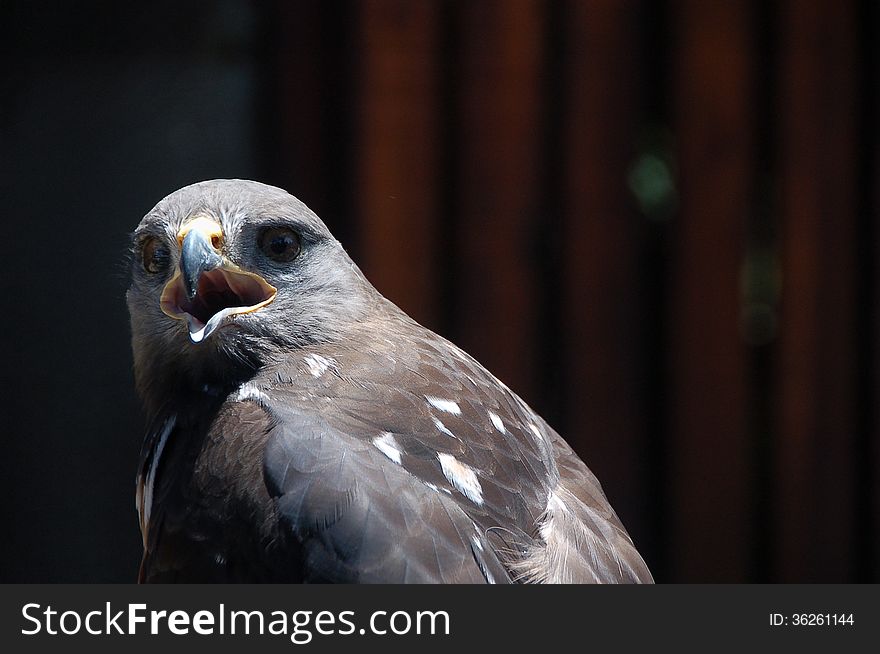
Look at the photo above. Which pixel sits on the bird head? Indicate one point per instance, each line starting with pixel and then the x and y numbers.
pixel 226 272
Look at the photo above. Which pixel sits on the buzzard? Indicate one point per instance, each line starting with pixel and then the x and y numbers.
pixel 302 428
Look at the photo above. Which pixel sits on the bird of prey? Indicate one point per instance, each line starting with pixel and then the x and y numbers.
pixel 304 429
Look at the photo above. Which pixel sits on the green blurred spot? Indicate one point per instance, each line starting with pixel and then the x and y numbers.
pixel 652 183
pixel 760 285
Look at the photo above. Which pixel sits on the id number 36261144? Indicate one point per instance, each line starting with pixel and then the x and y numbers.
pixel 812 620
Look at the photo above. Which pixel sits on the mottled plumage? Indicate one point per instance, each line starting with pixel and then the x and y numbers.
pixel 327 437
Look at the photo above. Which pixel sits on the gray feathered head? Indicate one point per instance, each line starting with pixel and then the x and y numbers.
pixel 226 271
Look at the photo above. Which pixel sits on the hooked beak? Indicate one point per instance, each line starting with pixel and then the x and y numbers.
pixel 199 252
pixel 207 289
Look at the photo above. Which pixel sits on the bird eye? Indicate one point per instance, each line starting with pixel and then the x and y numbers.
pixel 280 244
pixel 155 255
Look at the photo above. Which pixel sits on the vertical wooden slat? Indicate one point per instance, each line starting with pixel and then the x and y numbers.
pixel 301 103
pixel 816 362
pixel 397 158
pixel 869 253
pixel 310 118
pixel 498 184
pixel 601 243
pixel 870 33
pixel 708 442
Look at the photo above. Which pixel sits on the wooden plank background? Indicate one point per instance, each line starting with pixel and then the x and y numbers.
pixel 815 465
pixel 655 221
pixel 714 124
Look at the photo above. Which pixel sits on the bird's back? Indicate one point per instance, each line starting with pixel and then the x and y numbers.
pixel 396 457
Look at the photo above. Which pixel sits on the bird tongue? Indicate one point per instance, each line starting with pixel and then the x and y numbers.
pixel 221 293
pixel 198 330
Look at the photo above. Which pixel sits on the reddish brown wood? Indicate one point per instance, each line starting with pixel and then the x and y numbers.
pixel 602 236
pixel 397 155
pixel 709 467
pixel 498 183
pixel 816 360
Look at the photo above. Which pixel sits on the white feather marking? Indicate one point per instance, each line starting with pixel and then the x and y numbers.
pixel 499 425
pixel 478 547
pixel 436 488
pixel 444 405
pixel 462 476
pixel 387 445
pixel 147 507
pixel 318 364
pixel 439 425
pixel 249 391
pixel 537 432
pixel 555 511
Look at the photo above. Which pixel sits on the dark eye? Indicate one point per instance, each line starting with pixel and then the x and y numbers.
pixel 155 255
pixel 280 244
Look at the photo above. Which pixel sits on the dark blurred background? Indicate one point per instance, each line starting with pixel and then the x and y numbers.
pixel 655 220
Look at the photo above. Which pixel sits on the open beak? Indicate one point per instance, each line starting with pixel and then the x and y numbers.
pixel 207 289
